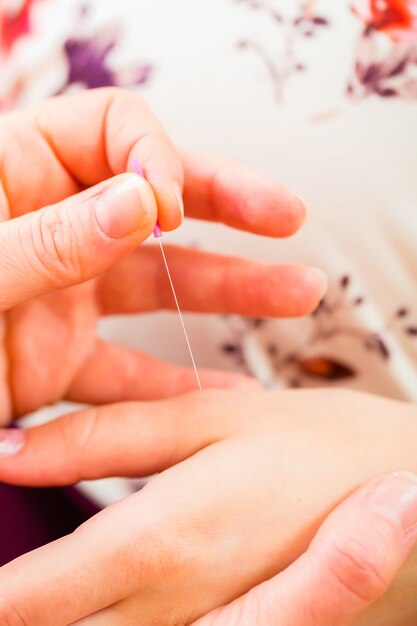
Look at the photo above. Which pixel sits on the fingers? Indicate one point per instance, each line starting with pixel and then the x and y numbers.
pixel 105 560
pixel 125 439
pixel 74 240
pixel 114 373
pixel 220 190
pixel 350 564
pixel 112 128
pixel 126 130
pixel 209 283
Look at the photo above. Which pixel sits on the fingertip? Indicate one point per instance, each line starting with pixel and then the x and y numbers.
pixel 298 290
pixel 168 196
pixel 246 383
pixel 315 285
pixel 293 212
pixel 186 381
pixel 148 198
pixel 12 440
pixel 394 497
pixel 321 280
pixel 269 208
pixel 16 456
pixel 170 205
pixel 212 379
pixel 126 207
pixel 162 168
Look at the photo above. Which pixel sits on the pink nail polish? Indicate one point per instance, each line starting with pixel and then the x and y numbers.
pixel 11 441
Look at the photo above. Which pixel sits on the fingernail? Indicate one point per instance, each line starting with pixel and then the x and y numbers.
pixel 323 280
pixel 178 195
pixel 11 441
pixel 395 497
pixel 120 210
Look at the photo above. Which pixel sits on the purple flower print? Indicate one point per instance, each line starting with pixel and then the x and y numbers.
pixel 305 23
pixel 310 359
pixel 86 52
pixel 89 64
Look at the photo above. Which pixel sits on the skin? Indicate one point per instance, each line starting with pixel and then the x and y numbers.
pixel 232 491
pixel 349 564
pixel 168 547
pixel 59 273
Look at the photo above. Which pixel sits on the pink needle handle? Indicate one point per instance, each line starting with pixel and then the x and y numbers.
pixel 157 232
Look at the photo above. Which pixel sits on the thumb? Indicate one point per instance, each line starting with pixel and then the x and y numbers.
pixel 74 240
pixel 350 564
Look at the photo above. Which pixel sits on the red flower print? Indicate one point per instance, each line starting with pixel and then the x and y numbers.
pixel 14 23
pixel 325 368
pixel 396 18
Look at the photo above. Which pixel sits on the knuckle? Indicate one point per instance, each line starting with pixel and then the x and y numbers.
pixel 165 543
pixel 358 568
pixel 161 559
pixel 9 614
pixel 76 432
pixel 151 555
pixel 54 244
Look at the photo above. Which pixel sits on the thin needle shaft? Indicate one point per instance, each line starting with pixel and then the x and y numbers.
pixel 180 314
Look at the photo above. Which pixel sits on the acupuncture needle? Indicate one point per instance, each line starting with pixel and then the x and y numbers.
pixel 157 233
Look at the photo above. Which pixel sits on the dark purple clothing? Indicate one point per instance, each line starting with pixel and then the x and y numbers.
pixel 30 518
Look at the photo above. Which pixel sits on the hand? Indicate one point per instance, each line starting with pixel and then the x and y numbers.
pixel 70 227
pixel 255 475
pixel 350 563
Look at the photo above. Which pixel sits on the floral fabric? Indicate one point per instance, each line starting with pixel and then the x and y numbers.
pixel 320 94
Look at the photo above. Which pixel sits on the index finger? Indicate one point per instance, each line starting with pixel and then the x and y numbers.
pixel 70 142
